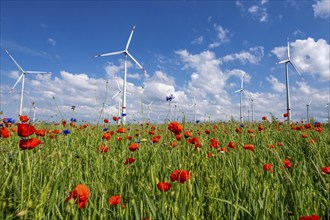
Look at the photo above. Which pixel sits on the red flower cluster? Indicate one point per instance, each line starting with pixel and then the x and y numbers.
pixel 326 170
pixel 103 149
pixel 268 167
pixel 155 139
pixel 114 200
pixel 164 186
pixel 214 143
pixel 80 195
pixel 129 160
pixel 249 147
pixel 311 217
pixel 231 145
pixel 180 175
pixel 287 163
pixel 5 133
pixel 134 147
pixel 175 127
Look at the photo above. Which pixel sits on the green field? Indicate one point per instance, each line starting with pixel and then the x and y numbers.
pixel 223 182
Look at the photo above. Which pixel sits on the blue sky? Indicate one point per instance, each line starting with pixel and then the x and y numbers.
pixel 190 49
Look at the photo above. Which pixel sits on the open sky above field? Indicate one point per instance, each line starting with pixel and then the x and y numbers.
pixel 189 49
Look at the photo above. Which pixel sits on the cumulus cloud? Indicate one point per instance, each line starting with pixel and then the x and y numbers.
pixel 254 56
pixel 222 36
pixel 276 85
pixel 321 9
pixel 309 56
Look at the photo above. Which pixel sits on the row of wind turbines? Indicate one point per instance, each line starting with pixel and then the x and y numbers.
pixel 126 54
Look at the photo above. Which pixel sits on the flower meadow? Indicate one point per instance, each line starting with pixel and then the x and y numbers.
pixel 176 170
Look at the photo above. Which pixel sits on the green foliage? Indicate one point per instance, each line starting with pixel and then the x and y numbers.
pixel 232 185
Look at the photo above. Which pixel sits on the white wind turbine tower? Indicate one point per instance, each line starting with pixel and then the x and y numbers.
pixel 241 90
pixel 252 106
pixel 287 61
pixel 194 105
pixel 114 96
pixel 307 106
pixel 126 53
pixel 149 109
pixel 328 106
pixel 23 80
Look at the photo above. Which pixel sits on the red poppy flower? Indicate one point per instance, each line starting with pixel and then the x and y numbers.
pixel 214 143
pixel 115 118
pixel 121 130
pixel 164 186
pixel 207 131
pixel 25 130
pixel 106 120
pixel 5 133
pixel 180 175
pixel 209 154
pixel 264 118
pixel 311 217
pixel 24 118
pixel 114 200
pixel 287 163
pixel 80 194
pixel 260 128
pixel 238 130
pixel 178 137
pixel 250 131
pixel 173 144
pixel 40 132
pixel 304 135
pixel 29 143
pixel 155 139
pixel 193 140
pixel 319 129
pixel 326 170
pixel 64 123
pixel 175 127
pixel 223 150
pixel 249 147
pixel 279 144
pixel 268 167
pixel 129 137
pixel 134 147
pixel 119 138
pixel 231 145
pixel 187 134
pixel 106 136
pixel 129 160
pixel 103 149
pixel 285 115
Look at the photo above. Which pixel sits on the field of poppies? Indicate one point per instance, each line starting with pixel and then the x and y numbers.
pixel 177 170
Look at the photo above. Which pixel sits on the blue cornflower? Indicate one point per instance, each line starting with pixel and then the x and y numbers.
pixel 66 132
pixel 105 129
pixel 170 98
pixel 197 121
pixel 73 120
pixel 242 125
pixel 8 120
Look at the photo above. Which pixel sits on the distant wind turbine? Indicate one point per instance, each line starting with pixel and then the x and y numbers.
pixel 307 106
pixel 119 90
pixel 23 80
pixel 328 106
pixel 287 61
pixel 126 53
pixel 194 105
pixel 149 109
pixel 241 90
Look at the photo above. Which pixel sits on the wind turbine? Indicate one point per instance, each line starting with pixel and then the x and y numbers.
pixel 119 90
pixel 126 54
pixel 252 106
pixel 194 105
pixel 149 109
pixel 307 106
pixel 287 61
pixel 241 90
pixel 23 80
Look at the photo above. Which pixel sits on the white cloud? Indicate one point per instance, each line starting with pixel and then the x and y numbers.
pixel 259 12
pixel 198 40
pixel 276 85
pixel 222 36
pixel 263 2
pixel 309 56
pixel 321 9
pixel 240 5
pixel 254 56
pixel 52 41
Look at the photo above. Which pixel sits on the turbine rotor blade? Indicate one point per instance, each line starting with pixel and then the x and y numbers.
pixel 137 62
pixel 118 85
pixel 288 51
pixel 294 67
pixel 283 61
pixel 310 102
pixel 110 54
pixel 130 38
pixel 16 82
pixel 12 58
pixel 240 90
pixel 37 72
pixel 116 94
